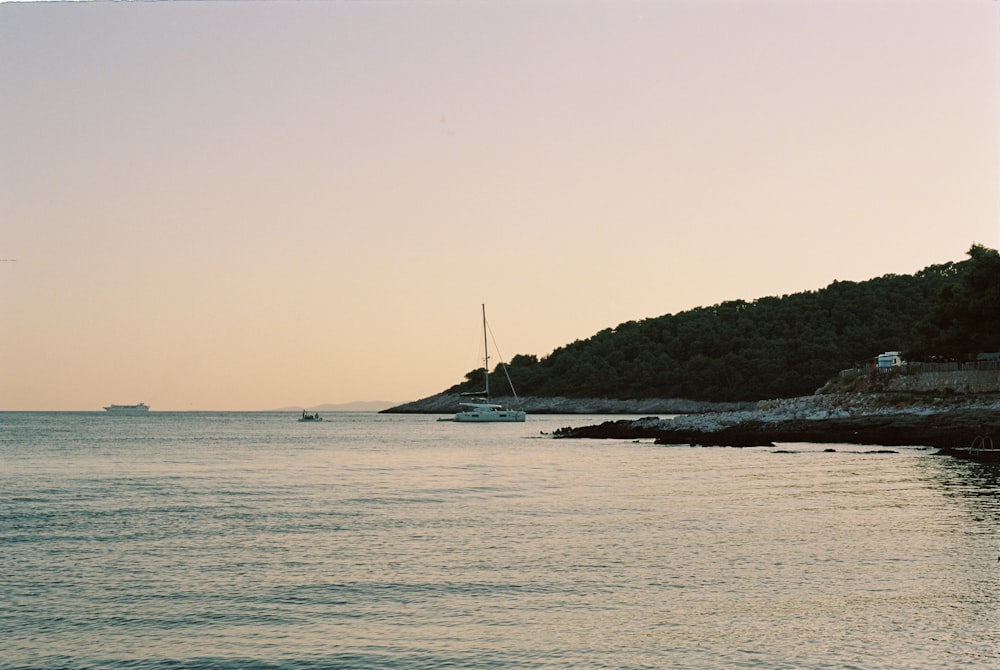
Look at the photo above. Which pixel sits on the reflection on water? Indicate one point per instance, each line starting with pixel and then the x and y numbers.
pixel 975 485
pixel 236 540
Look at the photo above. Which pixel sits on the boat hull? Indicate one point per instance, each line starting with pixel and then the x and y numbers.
pixel 978 455
pixel 490 415
pixel 128 410
pixel 981 450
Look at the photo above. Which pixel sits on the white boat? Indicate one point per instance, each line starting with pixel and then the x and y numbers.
pixel 128 410
pixel 479 409
pixel 481 412
pixel 310 417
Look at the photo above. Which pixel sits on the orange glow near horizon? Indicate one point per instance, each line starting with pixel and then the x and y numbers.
pixel 248 206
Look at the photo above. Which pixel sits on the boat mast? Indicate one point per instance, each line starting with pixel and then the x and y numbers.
pixel 486 354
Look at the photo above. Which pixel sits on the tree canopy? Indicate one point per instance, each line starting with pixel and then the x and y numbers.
pixel 965 320
pixel 773 347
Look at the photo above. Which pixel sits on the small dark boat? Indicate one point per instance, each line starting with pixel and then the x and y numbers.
pixel 981 450
pixel 306 416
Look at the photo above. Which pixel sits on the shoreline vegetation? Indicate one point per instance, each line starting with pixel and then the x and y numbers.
pixel 773 347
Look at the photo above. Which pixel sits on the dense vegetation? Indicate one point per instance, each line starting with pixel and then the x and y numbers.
pixel 773 347
pixel 965 320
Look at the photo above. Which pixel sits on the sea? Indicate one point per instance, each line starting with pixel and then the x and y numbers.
pixel 251 540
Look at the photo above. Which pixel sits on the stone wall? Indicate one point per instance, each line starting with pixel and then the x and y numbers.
pixel 941 380
pixel 955 381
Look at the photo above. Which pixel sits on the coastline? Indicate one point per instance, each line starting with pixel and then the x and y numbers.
pixel 947 422
pixel 948 409
pixel 447 403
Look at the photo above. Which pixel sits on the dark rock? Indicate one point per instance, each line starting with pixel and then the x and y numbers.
pixel 620 429
pixel 944 429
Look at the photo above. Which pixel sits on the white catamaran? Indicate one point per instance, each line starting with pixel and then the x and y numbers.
pixel 479 409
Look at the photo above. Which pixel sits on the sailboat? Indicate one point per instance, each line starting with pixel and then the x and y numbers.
pixel 479 409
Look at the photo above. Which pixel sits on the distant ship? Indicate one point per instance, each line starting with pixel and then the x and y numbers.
pixel 128 410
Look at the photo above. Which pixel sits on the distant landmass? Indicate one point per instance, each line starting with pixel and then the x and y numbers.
pixel 357 406
pixel 773 347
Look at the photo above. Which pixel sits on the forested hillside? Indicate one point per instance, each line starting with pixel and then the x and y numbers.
pixel 772 347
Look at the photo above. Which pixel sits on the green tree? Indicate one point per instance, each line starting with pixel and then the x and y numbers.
pixel 965 319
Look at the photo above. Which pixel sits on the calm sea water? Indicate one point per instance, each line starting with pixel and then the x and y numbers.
pixel 234 540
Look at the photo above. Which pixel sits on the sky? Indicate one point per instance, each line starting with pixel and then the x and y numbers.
pixel 253 205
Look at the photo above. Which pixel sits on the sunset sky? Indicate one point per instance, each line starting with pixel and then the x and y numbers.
pixel 252 205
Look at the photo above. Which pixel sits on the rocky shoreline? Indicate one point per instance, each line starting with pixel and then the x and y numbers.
pixel 885 419
pixel 949 409
pixel 447 403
